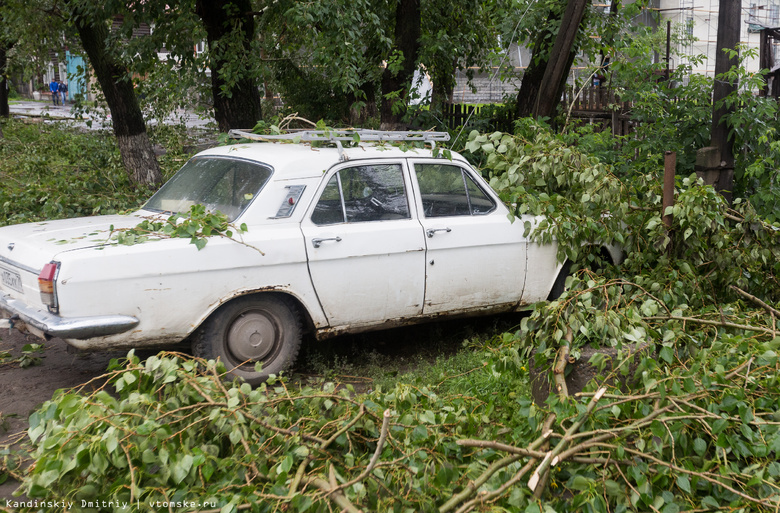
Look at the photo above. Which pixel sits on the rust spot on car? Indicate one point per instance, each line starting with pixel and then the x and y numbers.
pixel 330 332
pixel 272 288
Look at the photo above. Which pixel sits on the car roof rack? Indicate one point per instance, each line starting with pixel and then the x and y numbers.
pixel 353 135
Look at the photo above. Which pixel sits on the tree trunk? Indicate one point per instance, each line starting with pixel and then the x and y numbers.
pixel 4 108
pixel 545 78
pixel 529 87
pixel 443 89
pixel 236 100
pixel 4 47
pixel 534 72
pixel 728 38
pixel 560 61
pixel 360 116
pixel 408 29
pixel 117 86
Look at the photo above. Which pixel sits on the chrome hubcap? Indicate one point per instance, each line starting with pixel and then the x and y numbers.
pixel 252 336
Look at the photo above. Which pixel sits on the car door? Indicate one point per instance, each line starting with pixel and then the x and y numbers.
pixel 365 248
pixel 475 257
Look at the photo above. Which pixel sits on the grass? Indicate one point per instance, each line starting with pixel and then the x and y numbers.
pixel 454 356
pixel 52 171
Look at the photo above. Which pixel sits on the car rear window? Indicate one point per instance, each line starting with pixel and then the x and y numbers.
pixel 219 183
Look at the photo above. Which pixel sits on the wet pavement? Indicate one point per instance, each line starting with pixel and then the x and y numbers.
pixel 96 119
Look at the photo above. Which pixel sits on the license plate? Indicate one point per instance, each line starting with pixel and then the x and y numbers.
pixel 11 279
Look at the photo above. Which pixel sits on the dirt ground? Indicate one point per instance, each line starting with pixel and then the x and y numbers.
pixel 22 390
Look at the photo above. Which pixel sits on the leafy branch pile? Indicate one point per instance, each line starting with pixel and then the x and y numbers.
pixel 702 294
pixel 175 432
pixel 198 224
pixel 28 358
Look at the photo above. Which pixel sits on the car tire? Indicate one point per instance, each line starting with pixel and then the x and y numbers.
pixel 251 329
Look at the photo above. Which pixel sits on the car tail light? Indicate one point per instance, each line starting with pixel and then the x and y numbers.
pixel 46 284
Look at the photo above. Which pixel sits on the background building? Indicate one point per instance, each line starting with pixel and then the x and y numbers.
pixel 700 19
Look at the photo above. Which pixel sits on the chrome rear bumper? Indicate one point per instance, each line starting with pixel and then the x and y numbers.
pixel 63 327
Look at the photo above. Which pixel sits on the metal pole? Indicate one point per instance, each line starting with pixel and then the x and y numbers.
pixel 670 163
pixel 668 48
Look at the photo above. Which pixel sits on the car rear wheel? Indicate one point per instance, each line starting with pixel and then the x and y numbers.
pixel 251 329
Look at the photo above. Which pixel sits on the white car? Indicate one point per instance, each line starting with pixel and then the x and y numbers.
pixel 352 238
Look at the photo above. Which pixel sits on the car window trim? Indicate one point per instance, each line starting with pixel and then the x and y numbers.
pixel 466 188
pixel 341 197
pixel 409 184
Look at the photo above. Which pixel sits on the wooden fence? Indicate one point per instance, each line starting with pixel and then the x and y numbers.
pixel 598 106
pixel 593 105
pixel 483 117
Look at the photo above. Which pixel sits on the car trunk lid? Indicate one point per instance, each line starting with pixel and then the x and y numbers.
pixel 26 248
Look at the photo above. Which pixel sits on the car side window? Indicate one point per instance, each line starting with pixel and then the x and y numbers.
pixel 363 194
pixel 448 190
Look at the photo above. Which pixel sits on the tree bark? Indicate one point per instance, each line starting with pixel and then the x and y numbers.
pixel 5 46
pixel 728 38
pixel 560 61
pixel 534 72
pixel 359 116
pixel 408 29
pixel 4 108
pixel 443 89
pixel 228 22
pixel 126 116
pixel 545 78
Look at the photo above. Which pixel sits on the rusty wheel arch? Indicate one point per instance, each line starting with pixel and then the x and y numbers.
pixel 308 322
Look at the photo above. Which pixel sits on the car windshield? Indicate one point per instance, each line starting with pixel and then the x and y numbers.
pixel 218 183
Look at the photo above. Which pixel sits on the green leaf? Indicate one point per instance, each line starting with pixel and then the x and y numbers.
pixel 301 503
pixel 684 483
pixel 700 446
pixel 199 243
pixel 181 468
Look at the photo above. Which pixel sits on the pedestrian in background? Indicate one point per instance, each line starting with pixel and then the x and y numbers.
pixel 63 89
pixel 54 87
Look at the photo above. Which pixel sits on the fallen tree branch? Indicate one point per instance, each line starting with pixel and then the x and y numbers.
pixel 380 445
pixel 551 459
pixel 754 299
pixel 488 496
pixel 324 445
pixel 471 488
pixel 532 450
pixel 559 369
pixel 701 475
pixel 337 497
pixel 722 324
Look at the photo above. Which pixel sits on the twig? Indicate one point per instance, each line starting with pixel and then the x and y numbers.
pixel 324 445
pixel 733 373
pixel 487 496
pixel 745 327
pixel 532 448
pixel 380 445
pixel 768 308
pixel 714 481
pixel 337 497
pixel 632 488
pixel 552 457
pixel 132 473
pixel 472 486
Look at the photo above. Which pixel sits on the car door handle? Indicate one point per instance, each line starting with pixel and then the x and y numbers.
pixel 432 231
pixel 318 242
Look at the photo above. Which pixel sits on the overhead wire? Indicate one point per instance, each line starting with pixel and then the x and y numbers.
pixel 498 68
